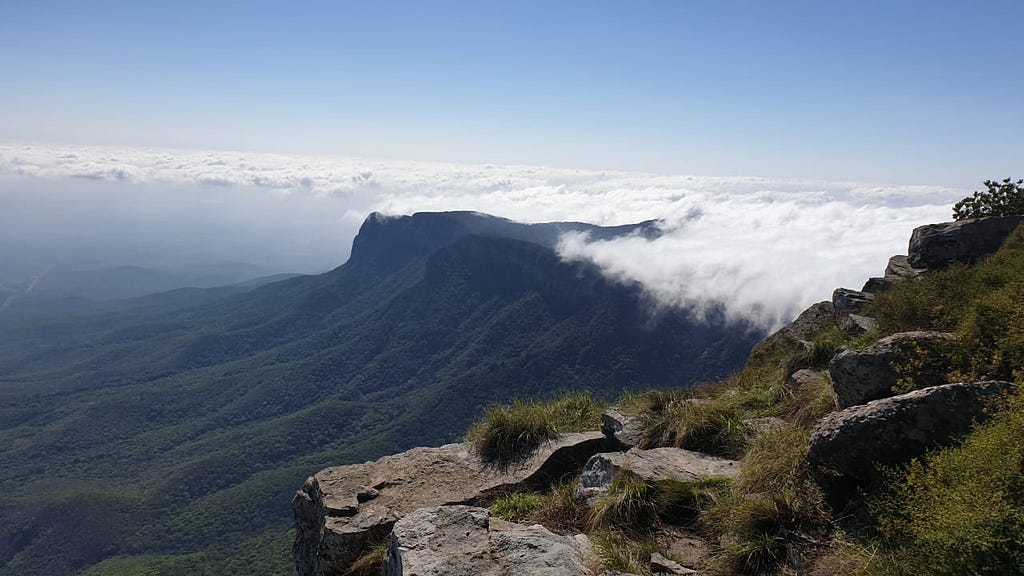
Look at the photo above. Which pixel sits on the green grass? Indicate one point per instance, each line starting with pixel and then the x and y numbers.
pixel 518 506
pixel 512 431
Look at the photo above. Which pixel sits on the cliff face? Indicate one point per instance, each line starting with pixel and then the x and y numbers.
pixel 341 512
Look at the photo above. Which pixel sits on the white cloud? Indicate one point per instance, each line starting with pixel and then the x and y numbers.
pixel 764 247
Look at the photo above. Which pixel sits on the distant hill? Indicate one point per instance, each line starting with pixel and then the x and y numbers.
pixel 169 432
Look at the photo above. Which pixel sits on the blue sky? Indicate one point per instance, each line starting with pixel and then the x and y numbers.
pixel 899 92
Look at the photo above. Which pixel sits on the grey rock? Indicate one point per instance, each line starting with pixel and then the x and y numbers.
pixel 900 269
pixel 845 300
pixel 341 511
pixel 894 430
pixel 805 377
pixel 811 320
pixel 859 376
pixel 875 285
pixel 662 565
pixel 763 424
pixel 937 245
pixel 857 324
pixel 467 541
pixel 625 429
pixel 653 465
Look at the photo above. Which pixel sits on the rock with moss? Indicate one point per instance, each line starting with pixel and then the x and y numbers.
pixel 342 511
pixel 856 441
pixel 936 246
pixel 468 541
pixel 650 465
pixel 908 358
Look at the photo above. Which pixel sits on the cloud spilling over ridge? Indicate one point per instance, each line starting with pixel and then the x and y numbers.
pixel 763 247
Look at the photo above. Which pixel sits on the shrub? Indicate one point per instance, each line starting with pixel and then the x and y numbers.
pixel 1004 198
pixel 961 509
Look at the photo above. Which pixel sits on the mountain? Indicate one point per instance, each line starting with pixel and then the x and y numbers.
pixel 168 432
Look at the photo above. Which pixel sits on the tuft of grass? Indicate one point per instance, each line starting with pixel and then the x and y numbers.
pixel 512 431
pixel 561 512
pixel 623 553
pixel 518 506
pixel 370 563
pixel 630 505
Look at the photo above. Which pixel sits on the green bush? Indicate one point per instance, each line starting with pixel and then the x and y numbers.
pixel 1004 198
pixel 961 509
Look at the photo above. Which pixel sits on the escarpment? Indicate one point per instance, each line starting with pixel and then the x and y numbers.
pixel 849 396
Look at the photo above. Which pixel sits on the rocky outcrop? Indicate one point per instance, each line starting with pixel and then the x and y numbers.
pixel 845 301
pixel 938 245
pixel 811 320
pixel 857 324
pixel 651 465
pixel 624 429
pixel 893 430
pixel 899 268
pixel 340 511
pixel 468 541
pixel 859 376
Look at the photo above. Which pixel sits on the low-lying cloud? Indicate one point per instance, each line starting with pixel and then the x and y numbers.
pixel 762 247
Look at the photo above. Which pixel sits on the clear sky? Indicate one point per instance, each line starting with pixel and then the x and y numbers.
pixel 928 92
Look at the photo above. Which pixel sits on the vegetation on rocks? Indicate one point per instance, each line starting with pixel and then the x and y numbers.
pixel 1000 198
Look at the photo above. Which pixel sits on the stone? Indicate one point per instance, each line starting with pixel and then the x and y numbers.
pixel 662 565
pixel 651 465
pixel 805 377
pixel 810 321
pixel 936 246
pixel 876 285
pixel 467 541
pixel 845 300
pixel 625 429
pixel 343 510
pixel 859 376
pixel 686 547
pixel 856 324
pixel 899 268
pixel 763 424
pixel 894 430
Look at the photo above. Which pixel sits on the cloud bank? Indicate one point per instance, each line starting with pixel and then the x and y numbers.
pixel 763 247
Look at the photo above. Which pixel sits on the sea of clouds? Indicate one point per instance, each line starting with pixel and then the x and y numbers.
pixel 765 248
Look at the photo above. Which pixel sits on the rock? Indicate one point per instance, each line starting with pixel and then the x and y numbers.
pixel 652 465
pixel 845 300
pixel 875 285
pixel 467 541
pixel 900 269
pixel 340 511
pixel 689 549
pixel 857 324
pixel 623 428
pixel 662 565
pixel 894 430
pixel 859 376
pixel 811 320
pixel 763 424
pixel 937 245
pixel 805 377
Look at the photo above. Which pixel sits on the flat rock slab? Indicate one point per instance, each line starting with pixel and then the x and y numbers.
pixel 652 465
pixel 467 541
pixel 341 511
pixel 894 430
pixel 859 376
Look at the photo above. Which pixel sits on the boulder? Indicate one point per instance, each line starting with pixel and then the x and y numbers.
pixel 845 300
pixel 763 424
pixel 341 511
pixel 857 324
pixel 652 465
pixel 805 377
pixel 859 376
pixel 622 428
pixel 811 320
pixel 900 269
pixel 875 285
pixel 467 541
pixel 894 430
pixel 937 245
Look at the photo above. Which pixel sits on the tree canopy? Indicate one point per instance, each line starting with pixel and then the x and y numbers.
pixel 1001 198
